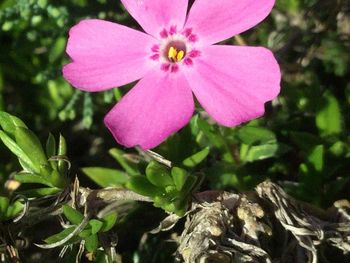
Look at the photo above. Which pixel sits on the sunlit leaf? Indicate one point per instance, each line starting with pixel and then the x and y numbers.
pixel 158 174
pixel 74 216
pixel 106 177
pixel 329 117
pixel 197 158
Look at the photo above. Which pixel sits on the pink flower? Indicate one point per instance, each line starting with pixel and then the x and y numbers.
pixel 173 59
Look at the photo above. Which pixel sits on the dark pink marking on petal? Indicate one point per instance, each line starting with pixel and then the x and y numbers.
pixel 188 62
pixel 165 67
pixel 194 53
pixel 164 33
pixel 187 32
pixel 155 57
pixel 174 68
pixel 155 48
pixel 173 30
pixel 193 38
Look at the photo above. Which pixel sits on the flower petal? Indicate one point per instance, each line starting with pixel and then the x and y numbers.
pixel 154 15
pixel 159 105
pixel 106 55
pixel 232 83
pixel 214 22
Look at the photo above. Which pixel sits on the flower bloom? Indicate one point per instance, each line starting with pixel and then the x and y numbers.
pixel 174 59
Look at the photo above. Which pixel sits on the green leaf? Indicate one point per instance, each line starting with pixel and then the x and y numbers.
pixel 57 49
pixel 62 151
pixel 96 226
pixel 179 176
pixel 15 149
pixel 316 158
pixel 261 152
pixel 158 174
pixel 4 204
pixel 85 233
pixel 256 135
pixel 197 158
pixel 207 130
pixel 329 118
pixel 140 185
pixel 118 155
pixel 9 123
pixel 109 221
pixel 28 178
pixel 57 180
pixel 14 209
pixel 91 243
pixel 106 177
pixel 50 146
pixel 74 216
pixel 31 145
pixel 59 236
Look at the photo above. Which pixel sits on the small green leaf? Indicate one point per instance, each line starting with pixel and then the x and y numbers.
pixel 329 117
pixel 86 232
pixel 207 130
pixel 316 158
pixel 256 135
pixel 15 149
pixel 140 185
pixel 62 151
pixel 59 236
pixel 169 207
pixel 91 243
pixel 28 178
pixel 118 155
pixel 9 123
pixel 14 209
pixel 57 49
pixel 57 180
pixel 109 221
pixel 106 177
pixel 74 216
pixel 197 158
pixel 4 204
pixel 158 174
pixel 96 225
pixel 160 201
pixel 261 152
pixel 31 145
pixel 50 146
pixel 179 176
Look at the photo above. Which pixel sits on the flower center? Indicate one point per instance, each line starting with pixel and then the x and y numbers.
pixel 175 55
pixel 175 51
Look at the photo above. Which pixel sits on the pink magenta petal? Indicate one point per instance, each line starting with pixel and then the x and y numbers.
pixel 214 21
pixel 232 83
pixel 106 55
pixel 159 105
pixel 155 15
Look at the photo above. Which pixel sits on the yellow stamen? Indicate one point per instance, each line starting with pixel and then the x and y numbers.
pixel 172 53
pixel 180 55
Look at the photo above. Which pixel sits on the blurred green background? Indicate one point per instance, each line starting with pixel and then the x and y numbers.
pixel 303 142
